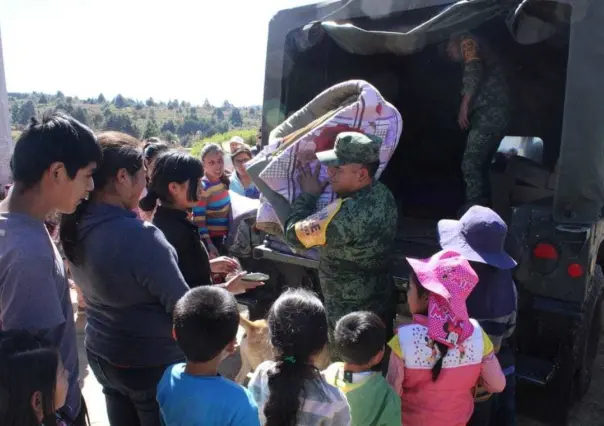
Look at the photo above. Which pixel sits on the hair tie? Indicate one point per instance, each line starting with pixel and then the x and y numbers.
pixel 290 359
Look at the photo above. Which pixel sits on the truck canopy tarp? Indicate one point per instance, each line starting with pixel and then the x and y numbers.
pixel 580 190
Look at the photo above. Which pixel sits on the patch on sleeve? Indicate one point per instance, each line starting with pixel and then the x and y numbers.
pixel 312 231
pixel 469 50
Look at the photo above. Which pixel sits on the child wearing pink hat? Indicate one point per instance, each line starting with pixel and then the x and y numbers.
pixel 439 359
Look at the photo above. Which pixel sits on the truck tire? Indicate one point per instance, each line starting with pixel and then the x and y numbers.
pixel 583 374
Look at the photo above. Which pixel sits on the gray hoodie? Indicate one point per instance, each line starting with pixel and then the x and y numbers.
pixel 131 282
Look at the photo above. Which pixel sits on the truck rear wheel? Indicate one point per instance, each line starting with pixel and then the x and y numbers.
pixel 583 375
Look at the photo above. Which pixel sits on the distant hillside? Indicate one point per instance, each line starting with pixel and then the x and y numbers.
pixel 172 121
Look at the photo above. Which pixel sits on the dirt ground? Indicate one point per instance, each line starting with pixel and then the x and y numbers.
pixel 590 412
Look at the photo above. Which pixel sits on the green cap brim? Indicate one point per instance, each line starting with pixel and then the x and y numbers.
pixel 328 158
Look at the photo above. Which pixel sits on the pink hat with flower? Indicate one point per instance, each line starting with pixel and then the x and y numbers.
pixel 450 279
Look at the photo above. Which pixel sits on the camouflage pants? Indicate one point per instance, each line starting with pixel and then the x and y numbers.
pixel 487 129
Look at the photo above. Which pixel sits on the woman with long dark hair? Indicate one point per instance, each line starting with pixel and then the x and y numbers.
pixel 291 391
pixel 130 278
pixel 176 183
pixel 33 381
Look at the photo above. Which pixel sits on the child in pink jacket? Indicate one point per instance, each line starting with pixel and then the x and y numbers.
pixel 438 360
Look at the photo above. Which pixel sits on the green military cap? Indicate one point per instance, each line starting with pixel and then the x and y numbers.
pixel 352 148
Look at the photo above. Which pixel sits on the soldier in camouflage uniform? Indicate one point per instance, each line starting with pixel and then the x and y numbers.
pixel 484 111
pixel 354 235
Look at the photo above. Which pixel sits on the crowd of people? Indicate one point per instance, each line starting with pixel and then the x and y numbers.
pixel 143 234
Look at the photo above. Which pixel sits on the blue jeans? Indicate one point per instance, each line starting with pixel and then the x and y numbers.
pixel 130 393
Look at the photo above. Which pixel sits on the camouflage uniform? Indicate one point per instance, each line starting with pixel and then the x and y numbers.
pixel 355 244
pixel 484 81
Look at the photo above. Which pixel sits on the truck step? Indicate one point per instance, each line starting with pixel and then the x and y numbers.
pixel 537 371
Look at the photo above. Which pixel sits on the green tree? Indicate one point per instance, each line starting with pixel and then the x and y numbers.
pixel 64 106
pixel 150 102
pixel 218 113
pixel 60 96
pixel 27 111
pixel 169 137
pixel 97 121
pixel 168 126
pixel 81 115
pixel 227 105
pixel 207 105
pixel 14 112
pixel 151 130
pixel 122 123
pixel 101 99
pixel 119 102
pixel 236 119
pixel 43 99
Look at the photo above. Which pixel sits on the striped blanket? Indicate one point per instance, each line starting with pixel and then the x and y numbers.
pixel 353 105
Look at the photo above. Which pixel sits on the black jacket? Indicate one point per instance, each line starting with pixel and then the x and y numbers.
pixel 183 235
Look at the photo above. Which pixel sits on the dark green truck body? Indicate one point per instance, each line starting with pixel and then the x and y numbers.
pixel 554 57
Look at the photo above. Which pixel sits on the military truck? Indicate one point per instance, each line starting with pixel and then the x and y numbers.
pixel 553 61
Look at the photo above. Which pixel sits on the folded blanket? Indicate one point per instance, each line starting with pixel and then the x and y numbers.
pixel 353 105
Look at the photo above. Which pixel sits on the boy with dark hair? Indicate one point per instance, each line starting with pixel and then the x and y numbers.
pixel 359 340
pixel 52 167
pixel 206 320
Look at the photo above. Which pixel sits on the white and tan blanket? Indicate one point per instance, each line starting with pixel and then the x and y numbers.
pixel 352 105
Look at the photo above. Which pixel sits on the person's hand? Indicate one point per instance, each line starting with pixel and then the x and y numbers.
pixel 237 285
pixel 309 181
pixel 462 118
pixel 224 265
pixel 213 251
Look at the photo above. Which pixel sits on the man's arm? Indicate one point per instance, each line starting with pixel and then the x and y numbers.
pixel 330 225
pixel 473 69
pixel 303 207
pixel 29 298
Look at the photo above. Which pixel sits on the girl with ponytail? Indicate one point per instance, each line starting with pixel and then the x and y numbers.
pixel 291 391
pixel 176 184
pixel 439 359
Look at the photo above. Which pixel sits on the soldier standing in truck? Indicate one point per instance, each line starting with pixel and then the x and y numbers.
pixel 484 111
pixel 354 235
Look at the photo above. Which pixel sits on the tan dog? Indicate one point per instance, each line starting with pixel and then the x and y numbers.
pixel 255 347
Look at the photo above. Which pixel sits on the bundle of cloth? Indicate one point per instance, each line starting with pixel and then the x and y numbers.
pixel 350 106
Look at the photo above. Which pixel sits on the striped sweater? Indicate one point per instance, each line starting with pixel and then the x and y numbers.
pixel 321 404
pixel 211 215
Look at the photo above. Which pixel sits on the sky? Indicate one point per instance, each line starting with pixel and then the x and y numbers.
pixel 166 49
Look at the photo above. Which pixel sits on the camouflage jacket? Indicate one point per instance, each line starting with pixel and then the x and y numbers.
pixel 483 76
pixel 355 237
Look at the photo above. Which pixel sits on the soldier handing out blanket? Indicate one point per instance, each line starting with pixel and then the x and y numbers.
pixel 354 234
